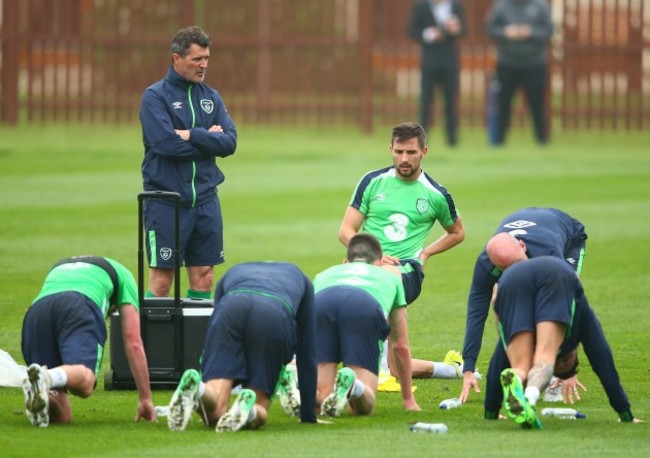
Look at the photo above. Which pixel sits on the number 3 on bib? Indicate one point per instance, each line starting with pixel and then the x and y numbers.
pixel 397 232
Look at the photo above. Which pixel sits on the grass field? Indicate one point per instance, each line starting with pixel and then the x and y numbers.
pixel 70 190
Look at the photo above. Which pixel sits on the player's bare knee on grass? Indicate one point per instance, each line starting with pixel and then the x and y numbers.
pixel 81 381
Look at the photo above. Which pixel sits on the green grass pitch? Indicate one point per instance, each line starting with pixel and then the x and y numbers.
pixel 68 190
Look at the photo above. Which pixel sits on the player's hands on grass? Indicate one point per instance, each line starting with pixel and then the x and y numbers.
pixel 634 420
pixel 570 387
pixel 469 381
pixel 411 404
pixel 145 410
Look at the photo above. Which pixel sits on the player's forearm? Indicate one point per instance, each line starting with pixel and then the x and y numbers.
pixel 602 362
pixel 307 375
pixel 441 245
pixel 139 369
pixel 218 144
pixel 474 328
pixel 402 355
pixel 345 234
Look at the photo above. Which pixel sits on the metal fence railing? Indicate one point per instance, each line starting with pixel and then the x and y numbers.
pixel 330 62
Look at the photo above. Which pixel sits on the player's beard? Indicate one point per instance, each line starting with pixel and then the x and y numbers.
pixel 406 173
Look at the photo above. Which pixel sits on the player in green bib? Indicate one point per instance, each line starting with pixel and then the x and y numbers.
pixel 399 205
pixel 64 333
pixel 355 302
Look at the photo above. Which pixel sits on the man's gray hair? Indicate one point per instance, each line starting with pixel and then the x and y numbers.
pixel 184 38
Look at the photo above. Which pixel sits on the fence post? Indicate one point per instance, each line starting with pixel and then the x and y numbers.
pixel 9 77
pixel 187 14
pixel 365 64
pixel 264 62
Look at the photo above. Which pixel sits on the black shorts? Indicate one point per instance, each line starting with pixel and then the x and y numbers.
pixel 412 277
pixel 350 327
pixel 201 234
pixel 64 328
pixel 249 339
pixel 533 291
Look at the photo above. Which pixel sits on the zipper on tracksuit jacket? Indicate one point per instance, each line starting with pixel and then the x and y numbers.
pixel 189 100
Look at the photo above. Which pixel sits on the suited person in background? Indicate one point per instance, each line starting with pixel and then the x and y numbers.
pixel 521 31
pixel 436 25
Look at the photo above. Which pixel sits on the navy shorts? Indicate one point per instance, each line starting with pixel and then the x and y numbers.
pixel 534 291
pixel 350 327
pixel 249 339
pixel 64 328
pixel 201 234
pixel 412 277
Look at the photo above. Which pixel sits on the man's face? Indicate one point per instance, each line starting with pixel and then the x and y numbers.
pixel 407 157
pixel 192 67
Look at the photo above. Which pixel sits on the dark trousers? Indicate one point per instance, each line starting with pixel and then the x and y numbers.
pixel 494 393
pixel 445 77
pixel 532 80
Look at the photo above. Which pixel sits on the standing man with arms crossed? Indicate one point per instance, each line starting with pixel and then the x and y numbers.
pixel 64 333
pixel 543 314
pixel 526 233
pixel 263 315
pixel 355 303
pixel 436 25
pixel 521 30
pixel 399 205
pixel 185 126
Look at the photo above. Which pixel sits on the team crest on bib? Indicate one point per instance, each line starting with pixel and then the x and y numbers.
pixel 422 205
pixel 166 253
pixel 207 105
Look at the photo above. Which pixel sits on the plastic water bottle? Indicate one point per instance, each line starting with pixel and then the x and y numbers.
pixel 451 403
pixel 419 427
pixel 563 413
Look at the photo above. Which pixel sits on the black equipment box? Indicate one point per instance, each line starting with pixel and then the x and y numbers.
pixel 172 328
pixel 172 337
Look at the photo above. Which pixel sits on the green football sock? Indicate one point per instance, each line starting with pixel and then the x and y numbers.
pixel 193 294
